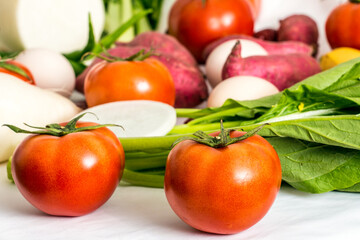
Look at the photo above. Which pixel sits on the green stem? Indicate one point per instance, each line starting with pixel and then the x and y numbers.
pixel 146 163
pixel 15 69
pixel 221 140
pixel 216 116
pixel 185 112
pixel 187 129
pixel 108 40
pixel 151 154
pixel 149 144
pixel 143 179
pixel 155 171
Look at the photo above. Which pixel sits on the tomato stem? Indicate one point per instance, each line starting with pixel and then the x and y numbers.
pixel 15 69
pixel 222 140
pixel 203 2
pixel 139 56
pixel 56 129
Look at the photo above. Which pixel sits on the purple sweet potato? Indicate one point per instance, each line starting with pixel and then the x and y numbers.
pixel 278 48
pixel 300 28
pixel 163 43
pixel 281 70
pixel 190 85
pixel 267 34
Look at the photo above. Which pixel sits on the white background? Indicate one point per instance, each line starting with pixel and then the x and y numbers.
pixel 143 213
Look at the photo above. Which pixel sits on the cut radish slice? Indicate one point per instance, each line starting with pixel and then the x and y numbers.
pixel 139 118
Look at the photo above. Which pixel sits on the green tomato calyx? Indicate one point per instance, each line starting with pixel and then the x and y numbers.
pixel 13 68
pixel 354 1
pixel 221 140
pixel 139 56
pixel 56 129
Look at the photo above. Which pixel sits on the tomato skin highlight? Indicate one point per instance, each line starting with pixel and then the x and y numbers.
pixel 70 175
pixel 222 190
pixel 196 25
pixel 129 80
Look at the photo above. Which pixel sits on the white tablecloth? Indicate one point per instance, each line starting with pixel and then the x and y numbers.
pixel 143 213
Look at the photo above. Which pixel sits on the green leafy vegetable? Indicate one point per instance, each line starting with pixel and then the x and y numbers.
pixel 78 58
pixel 317 168
pixel 315 128
pixel 77 55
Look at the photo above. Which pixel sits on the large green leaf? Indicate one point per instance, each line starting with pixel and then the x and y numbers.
pixel 317 168
pixel 340 130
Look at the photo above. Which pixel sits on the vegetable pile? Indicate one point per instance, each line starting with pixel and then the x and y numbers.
pixel 313 127
pixel 254 110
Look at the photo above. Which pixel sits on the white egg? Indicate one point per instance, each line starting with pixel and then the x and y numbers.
pixel 217 58
pixel 51 70
pixel 240 88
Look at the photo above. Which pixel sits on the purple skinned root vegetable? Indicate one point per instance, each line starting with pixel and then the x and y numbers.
pixel 281 70
pixel 300 28
pixel 266 35
pixel 162 43
pixel 190 86
pixel 278 48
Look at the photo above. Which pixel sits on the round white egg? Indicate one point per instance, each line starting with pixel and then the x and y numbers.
pixel 240 88
pixel 51 70
pixel 217 58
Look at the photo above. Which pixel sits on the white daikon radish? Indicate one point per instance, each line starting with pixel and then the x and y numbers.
pixel 51 70
pixel 60 25
pixel 240 88
pixel 21 103
pixel 217 58
pixel 139 118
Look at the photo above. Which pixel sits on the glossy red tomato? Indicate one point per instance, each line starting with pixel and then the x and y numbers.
pixel 70 175
pixel 196 24
pixel 222 190
pixel 343 25
pixel 18 70
pixel 129 80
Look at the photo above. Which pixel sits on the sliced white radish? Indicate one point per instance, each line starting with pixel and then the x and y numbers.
pixel 217 58
pixel 139 118
pixel 51 70
pixel 61 25
pixel 240 88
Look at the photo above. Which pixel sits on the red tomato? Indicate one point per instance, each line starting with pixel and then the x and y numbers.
pixel 343 26
pixel 129 80
pixel 196 24
pixel 24 74
pixel 222 190
pixel 70 175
